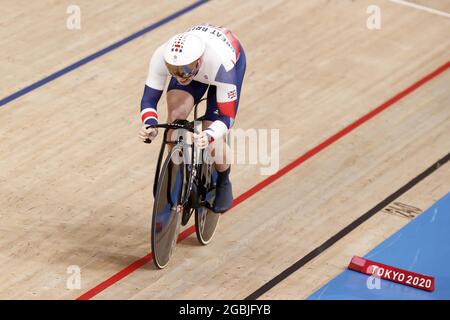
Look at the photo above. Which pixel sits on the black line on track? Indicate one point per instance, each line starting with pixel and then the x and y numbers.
pixel 352 226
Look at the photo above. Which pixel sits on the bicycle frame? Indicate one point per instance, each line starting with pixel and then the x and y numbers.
pixel 179 124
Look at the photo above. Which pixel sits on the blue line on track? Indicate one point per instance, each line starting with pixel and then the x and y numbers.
pixel 100 53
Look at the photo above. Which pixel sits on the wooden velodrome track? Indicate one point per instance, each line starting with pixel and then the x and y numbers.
pixel 75 182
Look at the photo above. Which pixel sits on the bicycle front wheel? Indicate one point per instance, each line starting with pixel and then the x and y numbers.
pixel 167 208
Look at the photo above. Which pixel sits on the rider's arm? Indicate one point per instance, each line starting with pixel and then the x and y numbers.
pixel 154 87
pixel 226 103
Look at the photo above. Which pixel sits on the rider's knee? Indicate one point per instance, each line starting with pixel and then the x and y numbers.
pixel 179 104
pixel 176 114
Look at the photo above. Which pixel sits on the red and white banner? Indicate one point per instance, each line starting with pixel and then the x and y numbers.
pixel 393 274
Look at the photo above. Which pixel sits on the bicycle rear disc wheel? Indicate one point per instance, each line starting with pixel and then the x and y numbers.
pixel 205 219
pixel 205 225
pixel 167 209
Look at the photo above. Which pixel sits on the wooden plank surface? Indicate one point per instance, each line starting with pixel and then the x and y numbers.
pixel 75 181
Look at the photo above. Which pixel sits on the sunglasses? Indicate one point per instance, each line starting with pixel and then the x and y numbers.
pixel 184 72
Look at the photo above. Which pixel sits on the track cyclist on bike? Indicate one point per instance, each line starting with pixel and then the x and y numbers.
pixel 204 58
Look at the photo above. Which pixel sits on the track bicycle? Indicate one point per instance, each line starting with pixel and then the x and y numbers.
pixel 185 183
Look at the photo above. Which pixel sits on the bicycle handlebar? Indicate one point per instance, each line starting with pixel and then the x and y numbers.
pixel 182 124
pixel 189 126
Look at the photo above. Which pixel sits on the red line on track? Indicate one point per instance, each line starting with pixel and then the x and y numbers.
pixel 261 185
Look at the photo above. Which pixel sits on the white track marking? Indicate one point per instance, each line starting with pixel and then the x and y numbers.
pixel 418 6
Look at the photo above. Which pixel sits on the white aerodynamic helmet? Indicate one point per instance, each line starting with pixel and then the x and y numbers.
pixel 182 54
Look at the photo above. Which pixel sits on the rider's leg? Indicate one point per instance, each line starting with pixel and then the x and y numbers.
pixel 219 151
pixel 179 105
pixel 221 154
pixel 181 98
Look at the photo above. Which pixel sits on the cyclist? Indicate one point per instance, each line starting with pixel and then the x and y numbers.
pixel 204 58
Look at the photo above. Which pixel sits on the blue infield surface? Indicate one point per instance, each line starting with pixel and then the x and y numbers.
pixel 422 246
